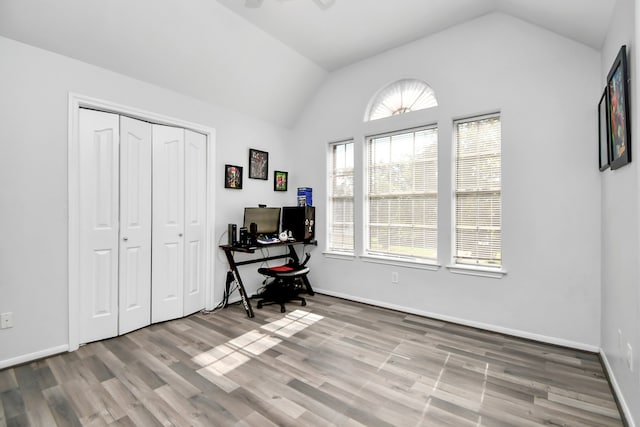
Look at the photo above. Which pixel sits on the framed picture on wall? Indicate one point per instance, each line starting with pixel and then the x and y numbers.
pixel 618 111
pixel 233 177
pixel 280 179
pixel 603 136
pixel 258 164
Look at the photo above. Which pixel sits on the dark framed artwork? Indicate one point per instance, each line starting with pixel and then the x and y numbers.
pixel 258 164
pixel 280 180
pixel 233 177
pixel 618 111
pixel 603 135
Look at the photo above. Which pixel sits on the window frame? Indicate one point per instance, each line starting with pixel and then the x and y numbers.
pixel 331 172
pixel 370 255
pixel 497 271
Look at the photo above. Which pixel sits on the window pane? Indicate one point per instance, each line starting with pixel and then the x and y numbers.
pixel 402 199
pixel 341 197
pixel 478 200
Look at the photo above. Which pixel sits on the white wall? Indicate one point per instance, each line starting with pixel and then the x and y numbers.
pixel 199 48
pixel 33 181
pixel 546 88
pixel 620 231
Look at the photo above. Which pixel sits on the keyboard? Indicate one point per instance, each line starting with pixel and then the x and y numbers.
pixel 265 240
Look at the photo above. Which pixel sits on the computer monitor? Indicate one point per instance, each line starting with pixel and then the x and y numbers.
pixel 267 219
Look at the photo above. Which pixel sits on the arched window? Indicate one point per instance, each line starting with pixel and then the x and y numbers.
pixel 401 97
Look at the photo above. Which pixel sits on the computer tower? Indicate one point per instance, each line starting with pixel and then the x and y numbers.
pixel 300 221
pixel 244 236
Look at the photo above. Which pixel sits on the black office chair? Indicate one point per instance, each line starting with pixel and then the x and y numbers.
pixel 288 281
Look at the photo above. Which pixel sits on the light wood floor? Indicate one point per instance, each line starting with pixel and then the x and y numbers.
pixel 331 363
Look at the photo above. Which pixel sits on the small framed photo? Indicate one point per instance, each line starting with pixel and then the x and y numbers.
pixel 233 177
pixel 258 164
pixel 280 180
pixel 603 138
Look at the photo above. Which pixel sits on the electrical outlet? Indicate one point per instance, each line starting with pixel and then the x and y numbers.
pixel 394 277
pixel 6 320
pixel 630 357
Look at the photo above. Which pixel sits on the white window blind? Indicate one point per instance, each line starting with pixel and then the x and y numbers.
pixel 478 205
pixel 402 196
pixel 341 197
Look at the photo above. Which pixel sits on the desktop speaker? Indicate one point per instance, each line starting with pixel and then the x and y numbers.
pixel 232 232
pixel 300 221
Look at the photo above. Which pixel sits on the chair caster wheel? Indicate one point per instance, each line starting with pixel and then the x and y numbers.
pixel 304 302
pixel 282 310
pixel 259 304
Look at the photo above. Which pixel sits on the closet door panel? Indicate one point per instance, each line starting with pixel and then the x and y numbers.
pixel 168 223
pixel 195 220
pixel 135 225
pixel 99 206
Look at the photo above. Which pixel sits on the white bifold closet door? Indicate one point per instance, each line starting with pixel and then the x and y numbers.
pixel 142 223
pixel 99 207
pixel 134 290
pixel 168 223
pixel 195 214
pixel 179 196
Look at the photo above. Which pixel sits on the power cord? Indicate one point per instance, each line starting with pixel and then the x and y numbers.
pixel 233 286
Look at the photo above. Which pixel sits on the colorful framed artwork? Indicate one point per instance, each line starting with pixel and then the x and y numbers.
pixel 603 136
pixel 280 180
pixel 258 164
pixel 233 177
pixel 618 111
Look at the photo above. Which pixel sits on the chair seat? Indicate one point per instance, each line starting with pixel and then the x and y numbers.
pixel 283 271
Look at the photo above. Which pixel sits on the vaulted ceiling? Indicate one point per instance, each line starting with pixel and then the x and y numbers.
pixel 266 61
pixel 351 30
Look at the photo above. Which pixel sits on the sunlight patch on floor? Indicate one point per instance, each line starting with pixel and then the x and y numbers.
pixel 226 357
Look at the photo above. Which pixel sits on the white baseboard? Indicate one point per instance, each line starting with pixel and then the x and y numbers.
pixel 466 322
pixel 616 390
pixel 33 356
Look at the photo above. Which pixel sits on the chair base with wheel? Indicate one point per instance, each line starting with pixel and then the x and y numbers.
pixel 287 282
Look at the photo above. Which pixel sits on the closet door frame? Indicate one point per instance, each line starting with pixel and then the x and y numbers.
pixel 77 101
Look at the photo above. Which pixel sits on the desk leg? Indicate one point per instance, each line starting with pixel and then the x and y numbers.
pixel 232 275
pixel 243 295
pixel 227 288
pixel 307 284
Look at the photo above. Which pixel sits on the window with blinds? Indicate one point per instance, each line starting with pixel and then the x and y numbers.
pixel 478 205
pixel 340 225
pixel 402 194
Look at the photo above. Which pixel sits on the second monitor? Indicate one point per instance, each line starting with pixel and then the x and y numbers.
pixel 266 220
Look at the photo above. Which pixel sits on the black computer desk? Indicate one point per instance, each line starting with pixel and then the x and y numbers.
pixel 234 274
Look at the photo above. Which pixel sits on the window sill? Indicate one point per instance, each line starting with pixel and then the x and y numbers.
pixel 469 270
pixel 402 262
pixel 339 255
